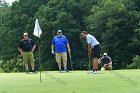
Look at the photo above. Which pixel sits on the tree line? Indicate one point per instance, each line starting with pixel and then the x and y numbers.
pixel 115 23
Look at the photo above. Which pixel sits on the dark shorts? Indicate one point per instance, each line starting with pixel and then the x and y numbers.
pixel 96 50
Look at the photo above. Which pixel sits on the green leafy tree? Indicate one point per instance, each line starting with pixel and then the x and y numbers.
pixel 114 24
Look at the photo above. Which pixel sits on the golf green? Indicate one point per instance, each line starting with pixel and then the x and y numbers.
pixel 117 81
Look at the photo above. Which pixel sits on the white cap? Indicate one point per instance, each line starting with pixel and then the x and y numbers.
pixel 59 31
pixel 25 34
pixel 105 54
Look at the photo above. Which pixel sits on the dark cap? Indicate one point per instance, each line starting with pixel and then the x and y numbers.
pixel 84 32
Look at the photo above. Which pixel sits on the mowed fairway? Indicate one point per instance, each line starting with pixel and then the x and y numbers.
pixel 119 81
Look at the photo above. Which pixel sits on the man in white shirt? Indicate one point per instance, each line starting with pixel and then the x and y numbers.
pixel 94 49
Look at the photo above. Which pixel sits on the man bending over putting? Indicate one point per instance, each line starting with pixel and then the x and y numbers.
pixel 94 49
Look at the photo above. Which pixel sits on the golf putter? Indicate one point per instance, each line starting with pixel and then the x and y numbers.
pixel 89 62
pixel 71 62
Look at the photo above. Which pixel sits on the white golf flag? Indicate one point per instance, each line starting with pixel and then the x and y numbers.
pixel 37 29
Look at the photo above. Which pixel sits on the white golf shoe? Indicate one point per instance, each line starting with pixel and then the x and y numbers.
pixel 92 72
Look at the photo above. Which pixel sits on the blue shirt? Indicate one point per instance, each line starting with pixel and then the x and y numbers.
pixel 60 43
pixel 92 40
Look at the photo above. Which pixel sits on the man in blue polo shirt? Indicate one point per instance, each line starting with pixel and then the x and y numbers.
pixel 60 44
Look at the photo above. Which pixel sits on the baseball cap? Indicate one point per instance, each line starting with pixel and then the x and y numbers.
pixel 84 32
pixel 105 54
pixel 59 31
pixel 25 34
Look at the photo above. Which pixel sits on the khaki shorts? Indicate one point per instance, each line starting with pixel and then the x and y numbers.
pixel 61 56
pixel 28 57
pixel 108 67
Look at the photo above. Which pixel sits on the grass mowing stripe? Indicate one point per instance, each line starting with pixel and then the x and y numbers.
pixel 74 82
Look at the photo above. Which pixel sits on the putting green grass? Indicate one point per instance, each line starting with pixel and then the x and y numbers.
pixel 118 81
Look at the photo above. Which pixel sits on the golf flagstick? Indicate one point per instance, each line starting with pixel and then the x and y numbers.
pixel 71 61
pixel 39 60
pixel 37 32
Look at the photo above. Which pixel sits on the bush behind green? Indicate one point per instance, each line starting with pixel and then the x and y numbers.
pixel 135 64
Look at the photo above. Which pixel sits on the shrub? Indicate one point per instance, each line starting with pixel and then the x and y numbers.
pixel 13 65
pixel 135 64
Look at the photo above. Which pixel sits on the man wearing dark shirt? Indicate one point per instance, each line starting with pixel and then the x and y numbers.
pixel 26 48
pixel 106 62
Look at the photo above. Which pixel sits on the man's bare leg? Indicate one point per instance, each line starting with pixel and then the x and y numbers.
pixel 95 64
pixel 26 67
pixel 65 65
pixel 59 65
pixel 33 66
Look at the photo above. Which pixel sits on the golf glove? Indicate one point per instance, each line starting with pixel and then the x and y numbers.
pixel 52 51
